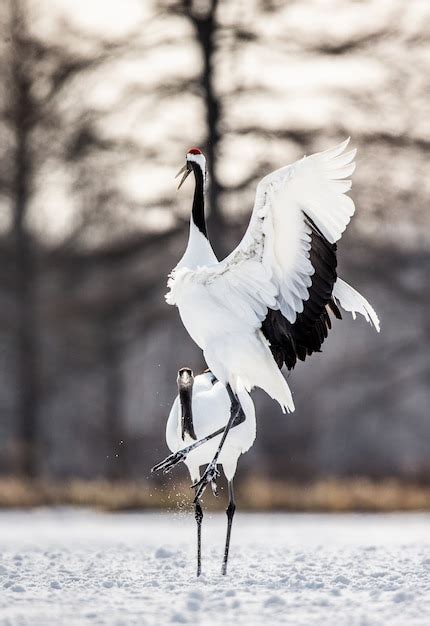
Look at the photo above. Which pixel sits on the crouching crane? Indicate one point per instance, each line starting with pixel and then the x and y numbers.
pixel 269 302
pixel 198 419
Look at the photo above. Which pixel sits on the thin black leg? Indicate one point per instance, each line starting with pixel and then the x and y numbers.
pixel 199 518
pixel 176 457
pixel 230 514
pixel 211 473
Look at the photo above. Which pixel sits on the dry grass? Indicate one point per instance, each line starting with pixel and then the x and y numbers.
pixel 254 495
pixel 358 494
pixel 92 493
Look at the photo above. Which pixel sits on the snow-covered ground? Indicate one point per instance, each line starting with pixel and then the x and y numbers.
pixel 78 567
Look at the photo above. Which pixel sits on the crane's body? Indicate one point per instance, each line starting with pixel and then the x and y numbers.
pixel 210 412
pixel 240 358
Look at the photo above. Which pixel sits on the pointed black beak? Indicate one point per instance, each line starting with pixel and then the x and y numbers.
pixel 185 170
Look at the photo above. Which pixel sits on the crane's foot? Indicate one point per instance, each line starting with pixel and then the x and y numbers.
pixel 210 475
pixel 170 462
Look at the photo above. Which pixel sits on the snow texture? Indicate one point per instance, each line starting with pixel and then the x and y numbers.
pixel 71 568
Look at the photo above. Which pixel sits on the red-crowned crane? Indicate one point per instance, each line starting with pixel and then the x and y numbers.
pixel 197 419
pixel 269 302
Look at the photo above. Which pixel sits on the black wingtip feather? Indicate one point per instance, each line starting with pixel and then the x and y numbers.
pixel 292 341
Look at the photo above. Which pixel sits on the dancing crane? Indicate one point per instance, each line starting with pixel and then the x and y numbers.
pixel 269 302
pixel 198 417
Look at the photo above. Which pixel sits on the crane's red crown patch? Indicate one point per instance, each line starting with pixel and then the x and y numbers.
pixel 194 151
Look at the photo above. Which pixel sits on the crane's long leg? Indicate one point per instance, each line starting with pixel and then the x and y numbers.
pixel 230 514
pixel 198 511
pixel 211 473
pixel 173 459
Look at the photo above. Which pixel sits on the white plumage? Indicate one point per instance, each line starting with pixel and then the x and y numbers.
pixel 210 412
pixel 350 300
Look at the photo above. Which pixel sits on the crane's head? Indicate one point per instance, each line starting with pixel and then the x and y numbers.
pixel 185 377
pixel 195 157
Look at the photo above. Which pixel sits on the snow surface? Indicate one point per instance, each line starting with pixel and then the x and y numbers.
pixel 67 567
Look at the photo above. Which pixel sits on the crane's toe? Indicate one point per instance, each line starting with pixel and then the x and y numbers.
pixel 210 475
pixel 170 462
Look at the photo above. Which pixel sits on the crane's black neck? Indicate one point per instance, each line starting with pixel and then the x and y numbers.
pixel 186 400
pixel 198 212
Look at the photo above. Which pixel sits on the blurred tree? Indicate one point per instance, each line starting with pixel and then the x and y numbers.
pixel 95 118
pixel 220 30
pixel 36 75
pixel 206 28
pixel 21 114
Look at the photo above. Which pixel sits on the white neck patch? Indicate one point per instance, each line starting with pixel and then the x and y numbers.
pixel 199 159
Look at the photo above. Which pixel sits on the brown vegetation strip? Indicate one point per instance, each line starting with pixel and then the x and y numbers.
pixel 255 495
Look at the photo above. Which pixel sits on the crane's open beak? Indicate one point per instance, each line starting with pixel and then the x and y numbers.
pixel 185 171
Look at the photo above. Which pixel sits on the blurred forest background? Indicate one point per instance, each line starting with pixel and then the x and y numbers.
pixel 99 102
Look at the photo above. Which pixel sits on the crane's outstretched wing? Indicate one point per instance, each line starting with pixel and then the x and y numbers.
pixel 281 276
pixel 289 341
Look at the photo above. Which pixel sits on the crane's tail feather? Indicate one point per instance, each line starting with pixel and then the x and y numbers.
pixel 274 384
pixel 352 301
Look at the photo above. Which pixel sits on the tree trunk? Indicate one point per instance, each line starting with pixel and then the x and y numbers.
pixel 26 323
pixel 111 349
pixel 206 31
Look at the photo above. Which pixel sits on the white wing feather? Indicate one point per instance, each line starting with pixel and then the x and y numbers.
pixel 352 301
pixel 271 267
